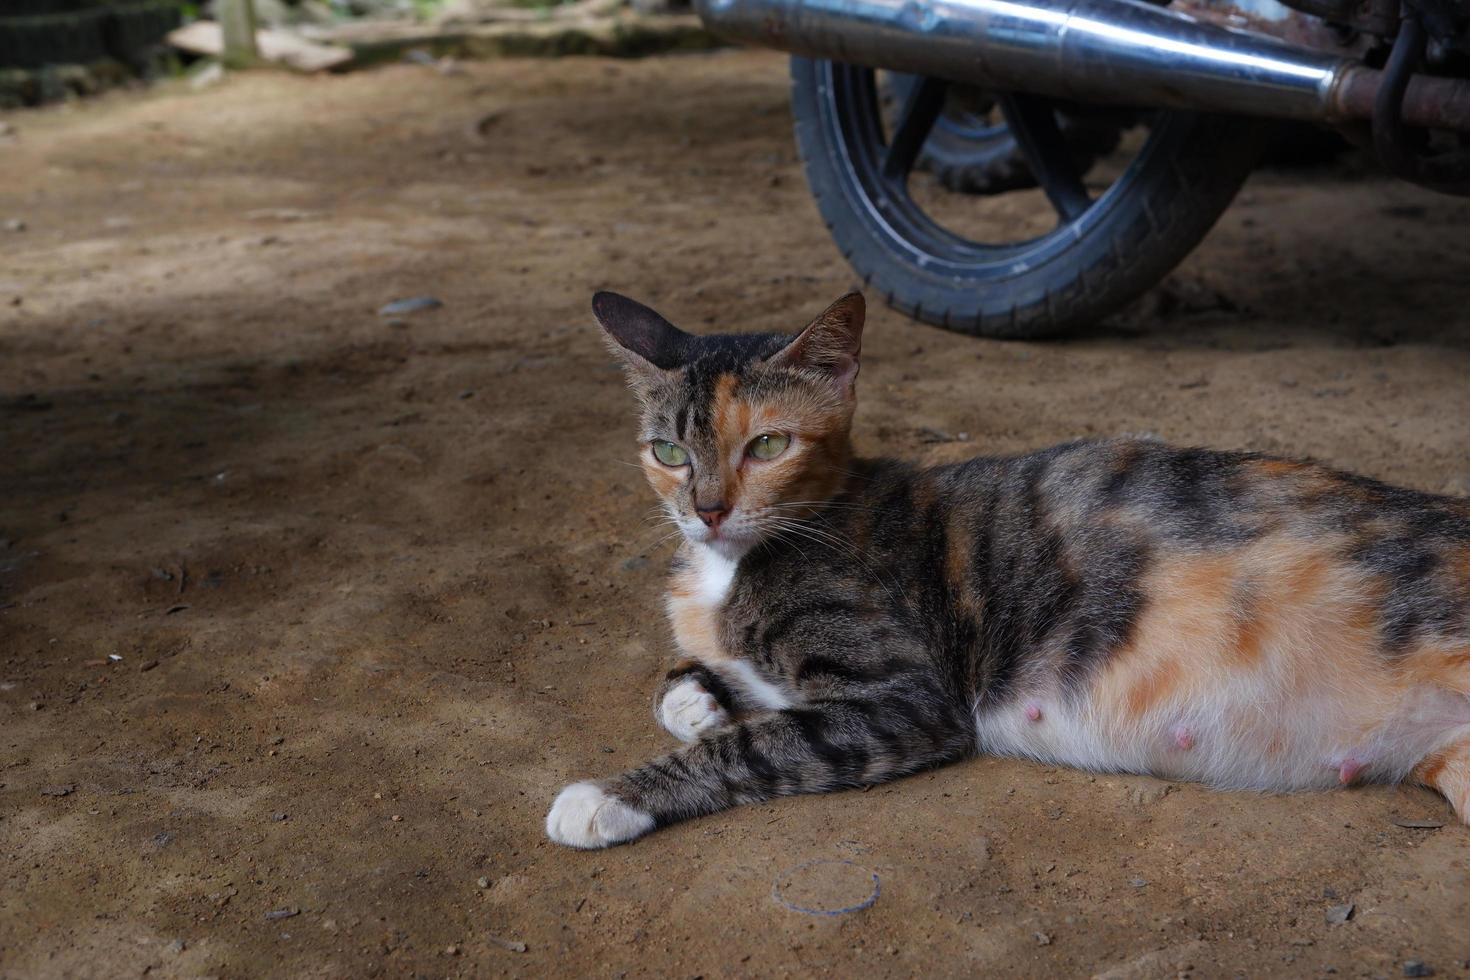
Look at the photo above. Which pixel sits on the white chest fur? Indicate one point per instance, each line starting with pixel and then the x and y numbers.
pixel 696 596
pixel 696 601
pixel 713 573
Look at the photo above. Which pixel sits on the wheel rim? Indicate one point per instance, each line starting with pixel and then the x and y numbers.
pixel 958 119
pixel 880 163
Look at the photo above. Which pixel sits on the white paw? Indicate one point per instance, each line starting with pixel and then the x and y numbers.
pixel 688 709
pixel 586 816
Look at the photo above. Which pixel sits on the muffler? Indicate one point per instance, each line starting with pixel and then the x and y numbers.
pixel 1121 52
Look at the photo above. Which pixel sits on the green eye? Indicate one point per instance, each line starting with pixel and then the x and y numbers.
pixel 768 446
pixel 669 453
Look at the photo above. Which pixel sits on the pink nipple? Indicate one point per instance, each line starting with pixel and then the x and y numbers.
pixel 1350 770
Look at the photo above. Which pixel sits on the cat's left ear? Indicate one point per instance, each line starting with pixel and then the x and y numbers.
pixel 831 343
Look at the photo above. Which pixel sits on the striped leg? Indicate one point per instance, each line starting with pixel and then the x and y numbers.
pixel 821 746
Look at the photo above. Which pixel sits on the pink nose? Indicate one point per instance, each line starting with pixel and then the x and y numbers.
pixel 713 515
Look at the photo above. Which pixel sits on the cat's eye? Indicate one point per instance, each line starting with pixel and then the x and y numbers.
pixel 768 446
pixel 669 453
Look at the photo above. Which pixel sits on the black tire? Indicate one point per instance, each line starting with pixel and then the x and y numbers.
pixel 1129 238
pixel 970 154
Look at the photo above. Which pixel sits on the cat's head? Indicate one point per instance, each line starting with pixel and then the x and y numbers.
pixel 742 434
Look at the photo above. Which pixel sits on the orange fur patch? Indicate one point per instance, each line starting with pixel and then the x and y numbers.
pixel 1279 467
pixel 1460 566
pixel 1252 614
pixel 1154 686
pixel 1448 668
pixel 697 629
pixel 1428 771
pixel 1281 604
pixel 665 480
pixel 1449 772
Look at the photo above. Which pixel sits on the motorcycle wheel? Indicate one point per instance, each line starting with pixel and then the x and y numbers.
pixel 971 151
pixel 1102 252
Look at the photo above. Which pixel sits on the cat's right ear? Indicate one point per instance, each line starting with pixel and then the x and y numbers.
pixel 647 343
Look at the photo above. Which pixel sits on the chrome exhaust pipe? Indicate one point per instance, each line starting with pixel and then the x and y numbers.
pixel 1123 52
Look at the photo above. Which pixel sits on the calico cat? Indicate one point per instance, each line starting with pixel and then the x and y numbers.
pixel 1231 618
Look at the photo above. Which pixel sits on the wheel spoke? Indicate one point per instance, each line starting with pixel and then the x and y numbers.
pixel 924 104
pixel 1033 122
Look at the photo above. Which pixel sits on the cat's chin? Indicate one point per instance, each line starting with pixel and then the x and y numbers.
pixel 728 548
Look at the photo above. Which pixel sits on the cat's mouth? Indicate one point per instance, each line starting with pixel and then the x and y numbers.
pixel 732 538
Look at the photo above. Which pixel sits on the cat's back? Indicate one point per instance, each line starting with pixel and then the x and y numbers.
pixel 1193 498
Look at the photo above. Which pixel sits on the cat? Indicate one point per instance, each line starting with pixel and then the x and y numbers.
pixel 1231 618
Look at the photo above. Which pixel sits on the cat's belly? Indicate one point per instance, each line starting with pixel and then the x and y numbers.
pixel 1239 734
pixel 1259 669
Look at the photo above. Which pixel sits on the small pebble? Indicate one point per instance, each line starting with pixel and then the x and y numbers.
pixel 1338 914
pixel 451 950
pixel 397 818
pixel 1042 939
pixel 1137 882
pixel 412 305
pixel 15 224
pixel 278 817
pixel 145 667
pixel 279 914
pixel 57 790
pixel 482 882
pixel 1417 968
pixel 177 946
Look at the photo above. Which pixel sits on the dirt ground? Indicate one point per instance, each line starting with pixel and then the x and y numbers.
pixel 306 613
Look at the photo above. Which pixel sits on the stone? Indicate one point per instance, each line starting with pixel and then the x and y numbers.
pixel 414 304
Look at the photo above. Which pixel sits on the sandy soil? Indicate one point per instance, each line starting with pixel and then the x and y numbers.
pixel 308 611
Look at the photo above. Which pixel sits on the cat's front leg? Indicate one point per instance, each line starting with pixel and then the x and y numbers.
pixel 692 700
pixel 698 697
pixel 814 748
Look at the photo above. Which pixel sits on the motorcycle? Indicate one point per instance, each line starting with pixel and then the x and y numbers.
pixel 997 96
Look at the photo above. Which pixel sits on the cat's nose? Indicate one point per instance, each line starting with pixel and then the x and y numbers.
pixel 712 514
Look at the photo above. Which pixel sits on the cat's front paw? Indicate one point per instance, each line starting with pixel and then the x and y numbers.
pixel 587 816
pixel 688 710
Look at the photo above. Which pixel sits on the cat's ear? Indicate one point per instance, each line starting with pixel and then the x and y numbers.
pixel 831 343
pixel 647 343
